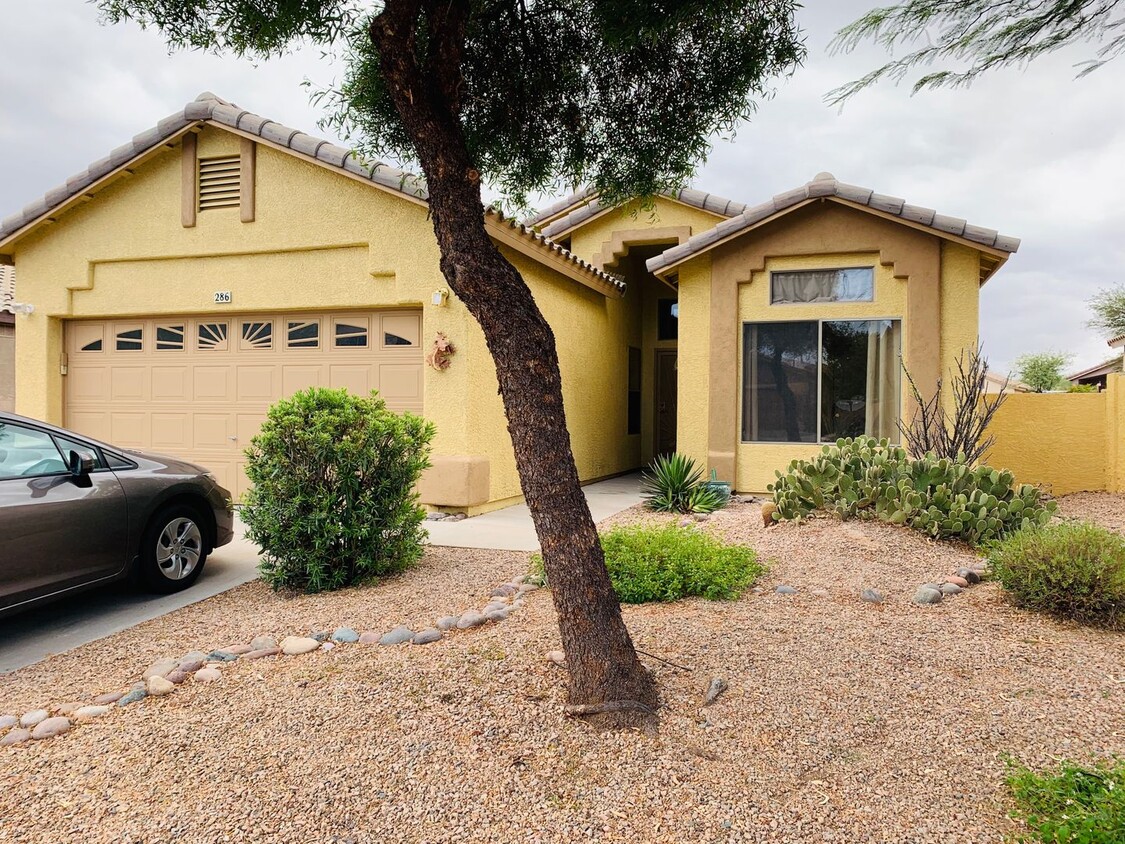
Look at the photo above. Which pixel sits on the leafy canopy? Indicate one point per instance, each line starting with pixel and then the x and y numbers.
pixel 624 95
pixel 1043 371
pixel 1109 311
pixel 979 35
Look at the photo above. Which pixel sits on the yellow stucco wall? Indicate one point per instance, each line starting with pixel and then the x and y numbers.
pixel 960 303
pixel 694 359
pixel 323 240
pixel 1059 440
pixel 756 462
pixel 1115 433
pixel 587 240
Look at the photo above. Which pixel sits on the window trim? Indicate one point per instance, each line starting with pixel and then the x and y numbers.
pixel 871 301
pixel 818 442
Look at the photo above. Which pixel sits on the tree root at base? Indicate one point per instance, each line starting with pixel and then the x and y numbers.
pixel 578 710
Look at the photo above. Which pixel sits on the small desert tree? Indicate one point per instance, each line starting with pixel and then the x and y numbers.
pixel 1043 371
pixel 527 95
pixel 956 432
pixel 980 35
pixel 1108 306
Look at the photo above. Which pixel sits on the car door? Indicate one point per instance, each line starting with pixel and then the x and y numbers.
pixel 57 531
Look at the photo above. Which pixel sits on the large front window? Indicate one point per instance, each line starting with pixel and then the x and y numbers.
pixel 816 381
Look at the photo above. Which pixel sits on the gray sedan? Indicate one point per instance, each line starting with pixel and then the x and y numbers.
pixel 76 513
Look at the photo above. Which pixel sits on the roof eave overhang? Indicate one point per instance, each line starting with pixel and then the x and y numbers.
pixel 87 193
pixel 998 256
pixel 503 232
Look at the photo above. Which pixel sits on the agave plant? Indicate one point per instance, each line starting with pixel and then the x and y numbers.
pixel 673 484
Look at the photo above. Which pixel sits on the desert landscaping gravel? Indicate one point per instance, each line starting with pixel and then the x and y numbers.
pixel 842 719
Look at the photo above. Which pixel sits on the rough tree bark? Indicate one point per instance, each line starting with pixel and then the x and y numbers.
pixel 602 662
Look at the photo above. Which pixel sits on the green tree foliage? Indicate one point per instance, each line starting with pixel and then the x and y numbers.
pixel 1108 306
pixel 526 96
pixel 1043 371
pixel 978 36
pixel 333 502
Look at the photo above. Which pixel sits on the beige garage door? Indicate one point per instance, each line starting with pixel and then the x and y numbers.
pixel 199 387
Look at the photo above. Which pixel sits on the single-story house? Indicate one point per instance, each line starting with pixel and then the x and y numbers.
pixel 1096 376
pixel 7 338
pixel 220 261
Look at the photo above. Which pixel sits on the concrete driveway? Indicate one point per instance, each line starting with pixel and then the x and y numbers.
pixel 58 627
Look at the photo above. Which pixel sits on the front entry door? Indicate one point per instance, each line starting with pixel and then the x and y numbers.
pixel 665 401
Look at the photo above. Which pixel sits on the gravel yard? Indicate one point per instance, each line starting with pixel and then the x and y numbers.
pixel 844 720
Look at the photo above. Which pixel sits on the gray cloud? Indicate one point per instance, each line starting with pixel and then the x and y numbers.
pixel 1033 152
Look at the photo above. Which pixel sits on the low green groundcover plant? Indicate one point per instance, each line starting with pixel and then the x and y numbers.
pixel 668 563
pixel 1073 804
pixel 946 499
pixel 333 502
pixel 673 483
pixel 1073 570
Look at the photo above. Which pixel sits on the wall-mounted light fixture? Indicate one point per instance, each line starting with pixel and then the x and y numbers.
pixel 440 297
pixel 24 308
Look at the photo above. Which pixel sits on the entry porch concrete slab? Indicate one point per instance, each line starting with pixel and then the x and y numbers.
pixel 511 529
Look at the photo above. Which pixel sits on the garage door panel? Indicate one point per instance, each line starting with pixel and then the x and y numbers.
pixel 129 429
pixel 355 378
pixel 199 387
pixel 212 431
pixel 257 383
pixel 297 378
pixel 171 384
pixel 129 383
pixel 170 432
pixel 214 383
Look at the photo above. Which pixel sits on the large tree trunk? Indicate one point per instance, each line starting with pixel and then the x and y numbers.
pixel 606 677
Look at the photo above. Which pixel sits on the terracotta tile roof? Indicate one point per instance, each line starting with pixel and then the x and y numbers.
pixel 211 108
pixel 7 288
pixel 826 185
pixel 1117 342
pixel 585 204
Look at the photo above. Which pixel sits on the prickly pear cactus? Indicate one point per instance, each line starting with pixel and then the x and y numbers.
pixel 864 477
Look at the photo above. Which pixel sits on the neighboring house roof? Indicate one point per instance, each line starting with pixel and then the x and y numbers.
pixel 826 186
pixel 1117 342
pixel 7 289
pixel 579 207
pixel 1106 367
pixel 209 108
pixel 1003 384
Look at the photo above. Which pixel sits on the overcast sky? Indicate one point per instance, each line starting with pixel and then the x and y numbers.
pixel 1033 153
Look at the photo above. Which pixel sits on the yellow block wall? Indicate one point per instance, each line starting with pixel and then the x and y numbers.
pixel 320 239
pixel 756 462
pixel 1067 442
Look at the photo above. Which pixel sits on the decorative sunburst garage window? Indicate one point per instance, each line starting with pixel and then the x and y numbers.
pixel 211 337
pixel 257 335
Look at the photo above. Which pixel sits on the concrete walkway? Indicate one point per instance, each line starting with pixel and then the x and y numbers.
pixel 511 529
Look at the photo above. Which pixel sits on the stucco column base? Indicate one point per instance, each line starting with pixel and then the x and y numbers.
pixel 455 481
pixel 723 464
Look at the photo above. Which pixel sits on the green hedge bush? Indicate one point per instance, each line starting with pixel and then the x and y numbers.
pixel 668 563
pixel 946 499
pixel 333 502
pixel 1073 570
pixel 1073 805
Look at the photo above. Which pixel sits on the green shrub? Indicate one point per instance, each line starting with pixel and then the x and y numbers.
pixel 333 501
pixel 674 484
pixel 668 563
pixel 1073 805
pixel 1073 570
pixel 946 499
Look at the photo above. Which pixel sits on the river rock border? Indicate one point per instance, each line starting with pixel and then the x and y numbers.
pixel 165 675
pixel 954 584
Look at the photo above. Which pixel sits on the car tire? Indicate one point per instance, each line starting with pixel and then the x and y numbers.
pixel 173 549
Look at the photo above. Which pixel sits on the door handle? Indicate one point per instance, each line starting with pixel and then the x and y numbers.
pixel 233 439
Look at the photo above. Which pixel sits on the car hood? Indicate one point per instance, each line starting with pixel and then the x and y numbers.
pixel 174 464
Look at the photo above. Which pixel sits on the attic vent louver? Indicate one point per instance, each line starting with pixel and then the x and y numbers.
pixel 219 180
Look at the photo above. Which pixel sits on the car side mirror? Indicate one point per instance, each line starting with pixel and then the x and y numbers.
pixel 81 463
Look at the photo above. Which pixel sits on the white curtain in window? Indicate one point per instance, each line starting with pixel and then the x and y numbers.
pixel 851 285
pixel 883 344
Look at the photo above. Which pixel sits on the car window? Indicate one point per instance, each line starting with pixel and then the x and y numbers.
pixel 25 452
pixel 67 445
pixel 115 461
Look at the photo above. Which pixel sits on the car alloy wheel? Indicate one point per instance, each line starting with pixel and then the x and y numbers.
pixel 179 548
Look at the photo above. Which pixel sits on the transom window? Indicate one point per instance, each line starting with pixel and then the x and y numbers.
pixel 817 381
pixel 856 284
